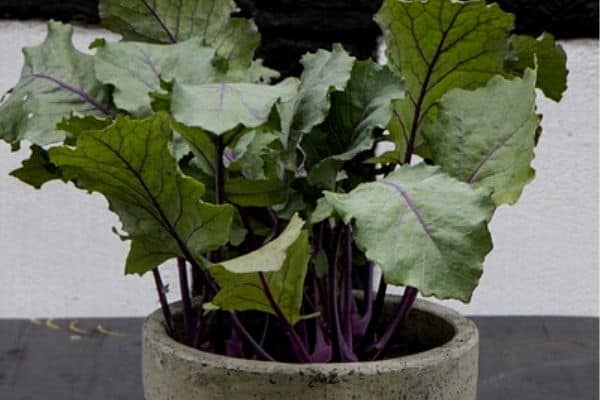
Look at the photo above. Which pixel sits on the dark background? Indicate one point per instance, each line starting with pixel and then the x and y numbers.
pixel 290 28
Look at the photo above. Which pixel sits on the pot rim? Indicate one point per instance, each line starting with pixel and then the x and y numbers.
pixel 466 336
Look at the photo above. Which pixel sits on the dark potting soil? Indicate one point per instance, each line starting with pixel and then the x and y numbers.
pixel 421 332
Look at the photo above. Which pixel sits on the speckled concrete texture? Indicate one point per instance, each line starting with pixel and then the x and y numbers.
pixel 172 371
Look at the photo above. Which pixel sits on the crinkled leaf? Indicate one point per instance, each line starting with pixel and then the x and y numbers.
pixel 324 72
pixel 364 105
pixel 77 124
pixel 136 69
pixel 486 136
pixel 423 228
pixel 130 164
pixel 37 169
pixel 56 81
pixel 249 154
pixel 544 54
pixel 284 262
pixel 218 108
pixel 438 45
pixel 171 21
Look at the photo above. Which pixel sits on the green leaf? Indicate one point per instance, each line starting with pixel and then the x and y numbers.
pixel 57 80
pixel 218 108
pixel 365 104
pixel 439 45
pixel 486 137
pixel 37 169
pixel 200 143
pixel 270 257
pixel 392 156
pixel 255 193
pixel 542 54
pixel 250 152
pixel 130 164
pixel 136 69
pixel 171 21
pixel 323 73
pixel 284 262
pixel 322 211
pixel 75 125
pixel 423 228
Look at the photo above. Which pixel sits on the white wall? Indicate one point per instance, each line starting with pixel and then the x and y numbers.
pixel 58 256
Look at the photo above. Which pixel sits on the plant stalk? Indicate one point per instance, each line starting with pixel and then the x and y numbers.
pixel 297 343
pixel 347 293
pixel 164 304
pixel 408 299
pixel 344 352
pixel 186 300
pixel 361 322
pixel 258 349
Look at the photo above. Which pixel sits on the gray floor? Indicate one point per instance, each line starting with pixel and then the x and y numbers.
pixel 527 358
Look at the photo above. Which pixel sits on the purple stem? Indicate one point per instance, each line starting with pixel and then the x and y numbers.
pixel 164 304
pixel 408 299
pixel 347 294
pixel 199 322
pixel 274 220
pixel 344 352
pixel 376 314
pixel 258 349
pixel 79 92
pixel 360 323
pixel 322 351
pixel 296 341
pixel 186 300
pixel 233 345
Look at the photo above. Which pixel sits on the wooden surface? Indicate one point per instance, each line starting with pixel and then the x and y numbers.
pixel 532 358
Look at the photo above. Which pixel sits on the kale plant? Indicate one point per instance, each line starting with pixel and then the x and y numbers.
pixel 276 195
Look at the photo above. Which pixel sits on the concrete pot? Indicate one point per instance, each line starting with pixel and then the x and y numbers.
pixel 448 371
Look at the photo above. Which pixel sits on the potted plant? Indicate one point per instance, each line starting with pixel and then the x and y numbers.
pixel 270 191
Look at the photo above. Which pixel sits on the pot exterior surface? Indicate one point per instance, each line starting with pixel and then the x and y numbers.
pixel 172 371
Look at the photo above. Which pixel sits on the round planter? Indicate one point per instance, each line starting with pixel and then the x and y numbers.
pixel 448 371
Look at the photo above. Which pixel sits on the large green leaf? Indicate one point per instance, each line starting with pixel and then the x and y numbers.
pixel 438 45
pixel 324 72
pixel 56 81
pixel 364 105
pixel 283 261
pixel 130 164
pixel 486 136
pixel 136 69
pixel 171 21
pixel 546 56
pixel 423 228
pixel 218 108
